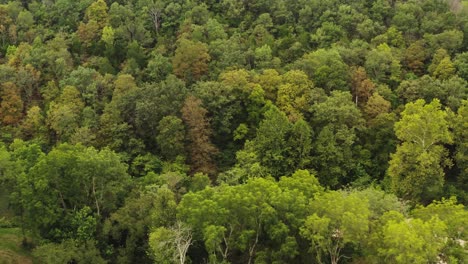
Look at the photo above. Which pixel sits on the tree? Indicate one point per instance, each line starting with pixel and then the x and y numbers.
pixel 336 219
pixel 380 142
pixel 426 88
pixel 412 240
pixel 453 215
pixel 97 11
pixel 450 40
pixel 437 58
pixel 383 65
pixel 300 145
pixel 461 62
pixel 89 33
pixel 361 86
pixel 64 114
pixel 127 229
pixel 155 101
pixel 33 125
pixel 416 56
pixel 159 67
pixel 445 69
pixel 118 116
pixel 190 61
pixel 335 122
pixel 91 85
pixel 454 92
pixel 69 251
pixel 176 240
pixel 201 150
pixel 226 53
pixel 270 143
pixel 63 182
pixel 326 69
pixel 264 58
pixel 416 169
pixel 295 94
pixel 327 34
pixel 407 17
pixel 225 103
pixel 461 155
pixel 11 105
pixel 376 105
pixel 171 137
pixel 270 80
pixel 251 221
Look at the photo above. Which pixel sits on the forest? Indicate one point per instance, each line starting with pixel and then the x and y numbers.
pixel 234 131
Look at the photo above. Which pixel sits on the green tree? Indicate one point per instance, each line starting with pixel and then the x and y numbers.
pixel 461 62
pixel 97 11
pixel 170 245
pixel 383 65
pixel 426 88
pixel 461 155
pixel 270 143
pixel 63 182
pixel 416 169
pixel 445 69
pixel 33 125
pixel 159 67
pixel 326 69
pixel 64 114
pixel 437 58
pixel 117 118
pixel 450 40
pixel 300 145
pixel 337 219
pixel 231 219
pixel 226 54
pixel 225 103
pixel 412 240
pixel 69 251
pixel 171 137
pixel 453 215
pixel 380 141
pixel 407 17
pixel 335 123
pixel 155 101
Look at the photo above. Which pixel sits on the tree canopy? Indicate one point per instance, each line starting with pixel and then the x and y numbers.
pixel 189 131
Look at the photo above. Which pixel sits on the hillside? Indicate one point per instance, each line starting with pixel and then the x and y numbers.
pixel 229 131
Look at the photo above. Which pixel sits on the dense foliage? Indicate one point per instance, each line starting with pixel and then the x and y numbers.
pixel 187 131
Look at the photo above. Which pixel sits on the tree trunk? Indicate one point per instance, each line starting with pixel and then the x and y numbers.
pixel 95 198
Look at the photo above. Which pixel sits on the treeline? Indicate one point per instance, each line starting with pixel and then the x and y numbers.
pixel 236 131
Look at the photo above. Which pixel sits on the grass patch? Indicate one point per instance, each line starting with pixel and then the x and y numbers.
pixel 11 251
pixel 464 4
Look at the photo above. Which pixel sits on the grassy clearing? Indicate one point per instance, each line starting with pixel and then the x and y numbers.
pixel 11 251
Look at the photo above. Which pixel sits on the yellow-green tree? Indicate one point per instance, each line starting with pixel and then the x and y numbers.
pixel 417 168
